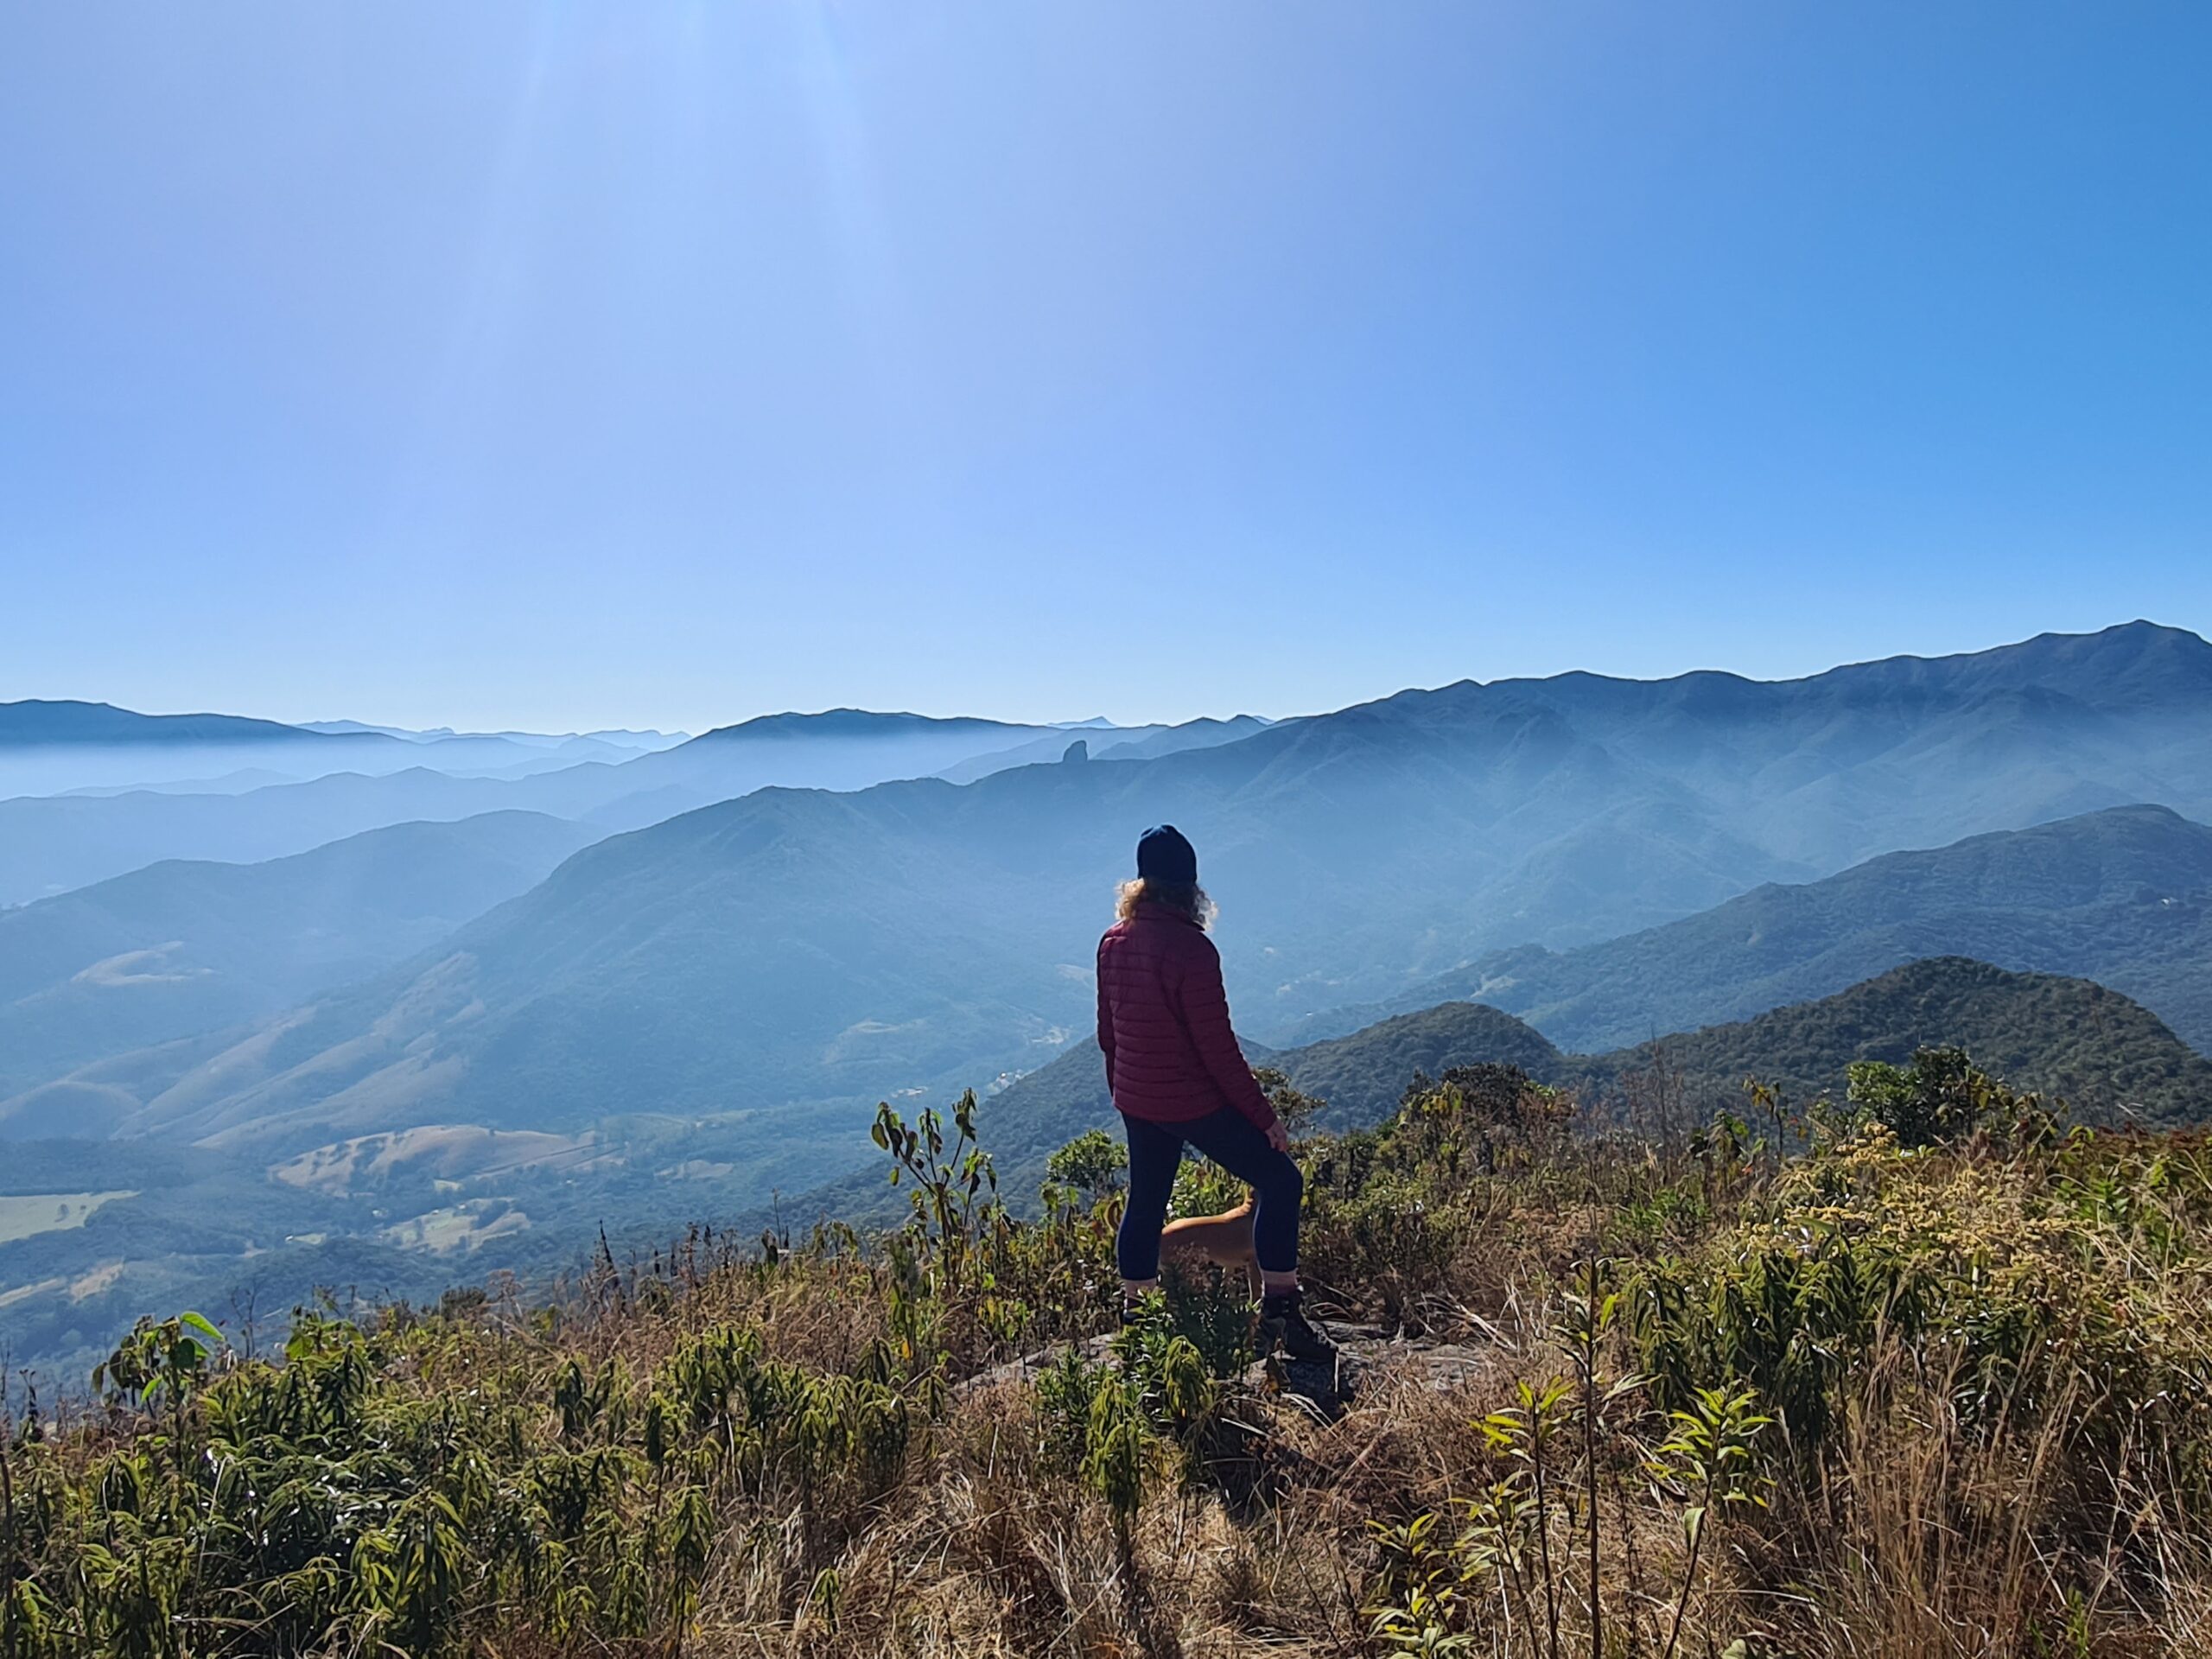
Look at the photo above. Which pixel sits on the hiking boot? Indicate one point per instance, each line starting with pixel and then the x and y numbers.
pixel 1283 1326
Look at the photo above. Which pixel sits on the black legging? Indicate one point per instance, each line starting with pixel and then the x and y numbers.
pixel 1240 1147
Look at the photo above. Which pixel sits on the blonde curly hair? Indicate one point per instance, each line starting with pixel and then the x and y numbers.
pixel 1186 898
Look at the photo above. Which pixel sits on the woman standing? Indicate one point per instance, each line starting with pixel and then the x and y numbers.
pixel 1179 1079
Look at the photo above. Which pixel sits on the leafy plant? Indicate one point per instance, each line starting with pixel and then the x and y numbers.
pixel 1090 1166
pixel 1708 1464
pixel 1941 1098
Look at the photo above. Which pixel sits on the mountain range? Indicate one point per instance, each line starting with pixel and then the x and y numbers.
pixel 802 944
pixel 2123 896
pixel 365 1025
pixel 54 747
pixel 202 792
pixel 184 947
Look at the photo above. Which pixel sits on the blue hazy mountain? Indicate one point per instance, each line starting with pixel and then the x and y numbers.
pixel 182 948
pixel 43 723
pixel 1107 742
pixel 50 843
pixel 802 945
pixel 47 746
pixel 90 748
pixel 56 843
pixel 2123 897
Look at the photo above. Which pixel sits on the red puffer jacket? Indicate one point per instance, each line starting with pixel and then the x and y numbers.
pixel 1163 1022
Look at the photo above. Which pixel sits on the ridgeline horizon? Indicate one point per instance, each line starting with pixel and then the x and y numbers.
pixel 105 722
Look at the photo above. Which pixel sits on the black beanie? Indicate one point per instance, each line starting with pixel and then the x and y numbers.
pixel 1163 854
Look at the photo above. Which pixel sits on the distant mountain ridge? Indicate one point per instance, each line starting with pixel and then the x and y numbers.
pixel 611 737
pixel 797 945
pixel 862 723
pixel 51 841
pixel 2122 896
pixel 56 843
pixel 40 722
pixel 1121 743
pixel 98 752
pixel 183 948
pixel 2064 723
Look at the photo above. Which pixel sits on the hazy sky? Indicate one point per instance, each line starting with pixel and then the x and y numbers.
pixel 647 364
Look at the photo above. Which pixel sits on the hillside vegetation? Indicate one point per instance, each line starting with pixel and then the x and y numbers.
pixel 2113 1061
pixel 221 1228
pixel 1935 1386
pixel 2062 1036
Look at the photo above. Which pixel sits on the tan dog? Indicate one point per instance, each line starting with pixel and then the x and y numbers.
pixel 1222 1241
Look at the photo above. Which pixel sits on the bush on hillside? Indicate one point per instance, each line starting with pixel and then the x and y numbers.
pixel 1941 1096
pixel 1090 1166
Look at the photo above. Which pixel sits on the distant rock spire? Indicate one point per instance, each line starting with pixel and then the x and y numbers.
pixel 1079 750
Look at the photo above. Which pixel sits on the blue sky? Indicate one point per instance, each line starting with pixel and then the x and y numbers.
pixel 660 365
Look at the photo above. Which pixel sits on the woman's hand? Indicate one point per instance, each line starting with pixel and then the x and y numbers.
pixel 1278 1136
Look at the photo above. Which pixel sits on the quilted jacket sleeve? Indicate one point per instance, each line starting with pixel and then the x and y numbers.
pixel 1205 1016
pixel 1105 1018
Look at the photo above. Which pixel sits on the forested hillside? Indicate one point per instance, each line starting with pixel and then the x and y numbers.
pixel 2111 1060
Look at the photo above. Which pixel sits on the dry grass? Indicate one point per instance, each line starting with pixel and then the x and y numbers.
pixel 2006 1455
